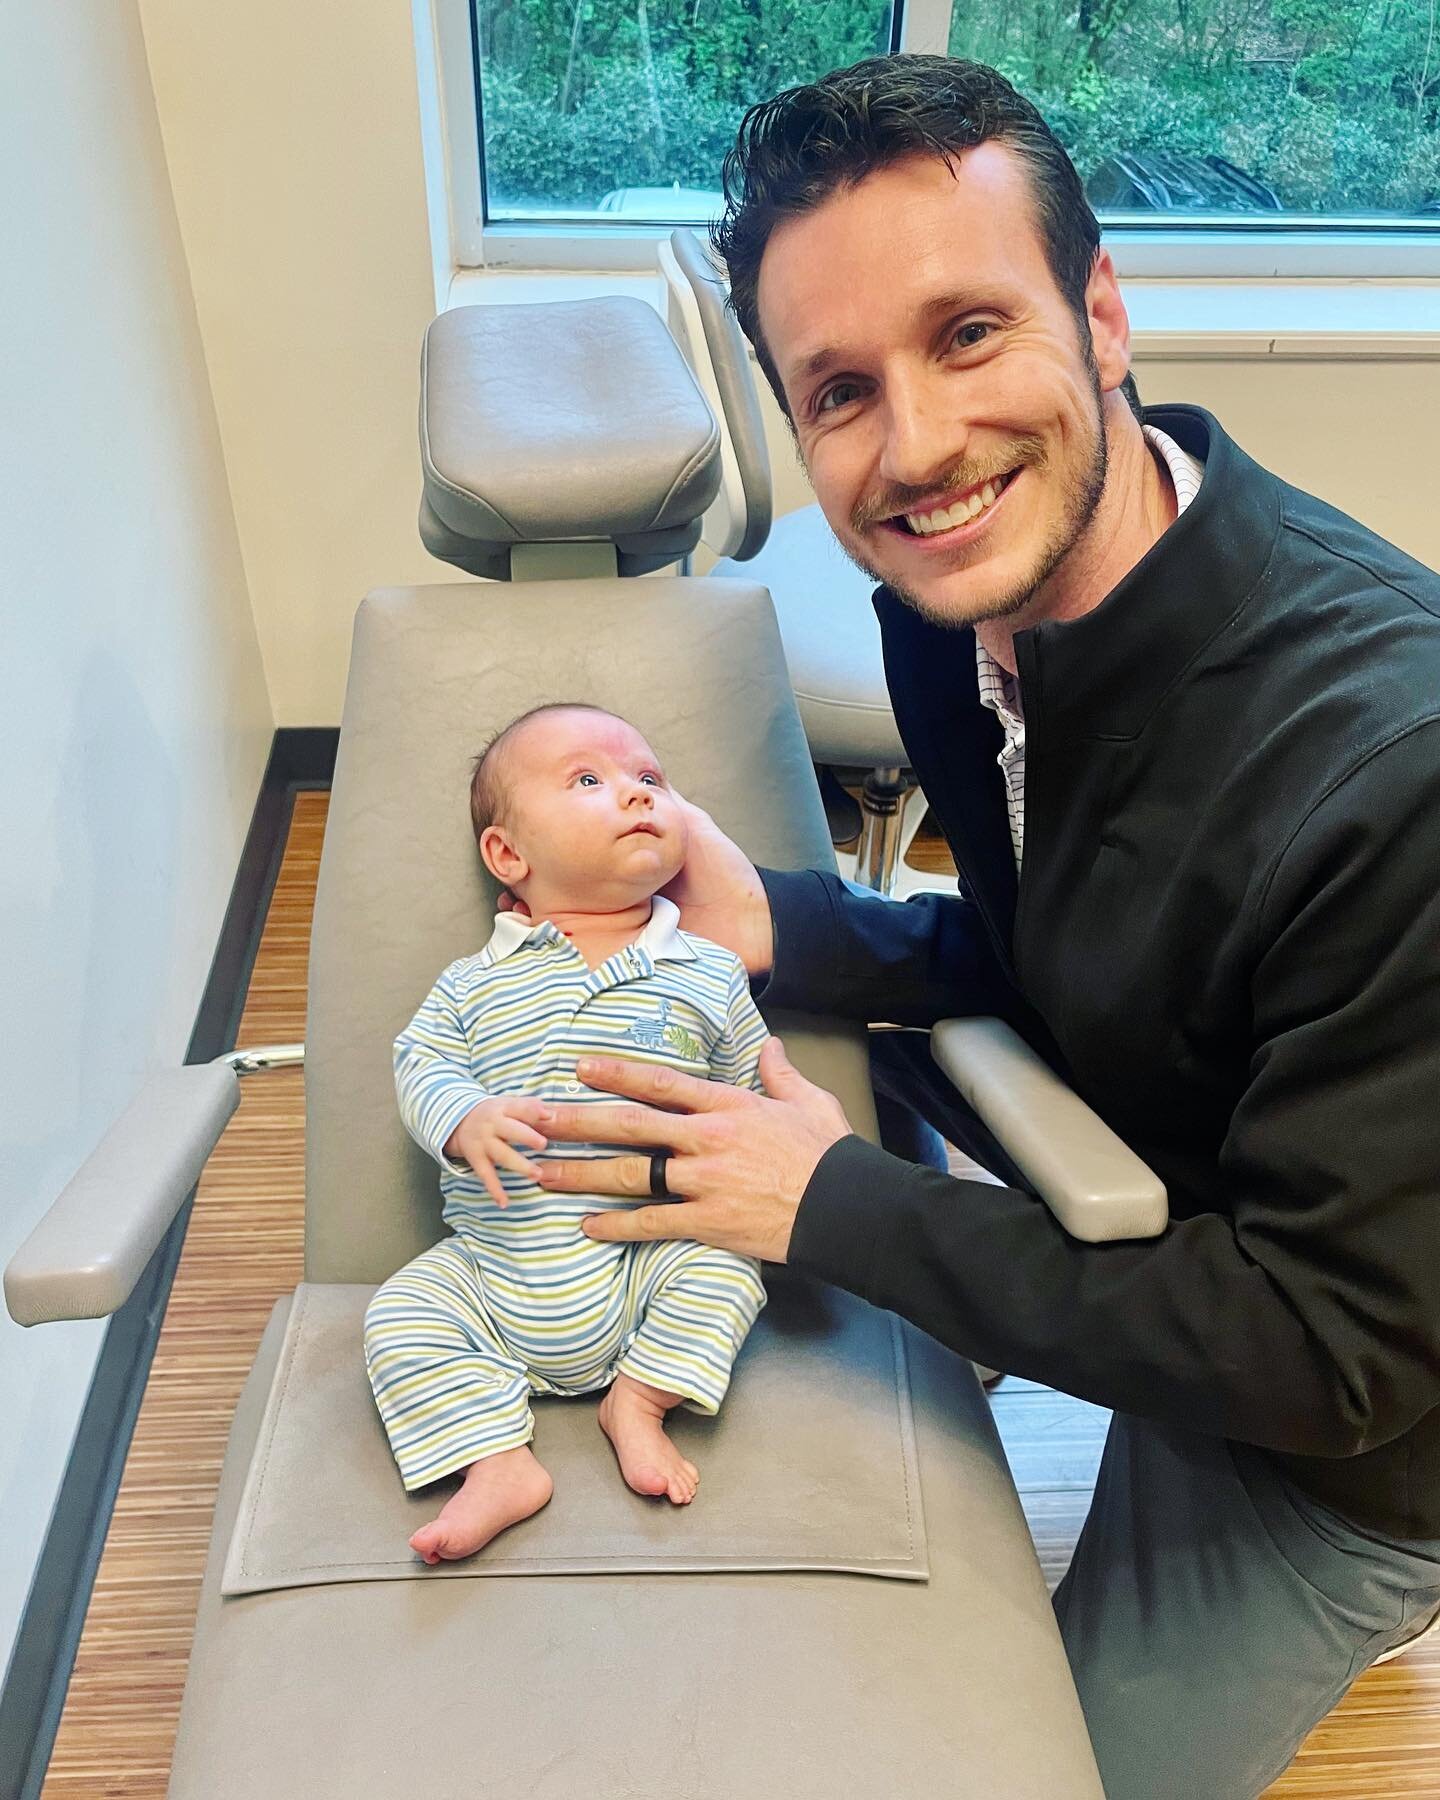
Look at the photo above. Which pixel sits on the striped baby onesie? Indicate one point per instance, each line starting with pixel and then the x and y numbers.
pixel 519 1301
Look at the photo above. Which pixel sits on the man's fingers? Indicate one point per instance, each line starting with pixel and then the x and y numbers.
pixel 621 1124
pixel 640 1224
pixel 629 1175
pixel 655 1084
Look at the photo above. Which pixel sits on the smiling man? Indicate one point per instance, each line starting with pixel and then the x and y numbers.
pixel 1201 710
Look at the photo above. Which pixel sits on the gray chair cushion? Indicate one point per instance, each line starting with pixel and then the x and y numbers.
pixel 563 421
pixel 582 1687
pixel 730 359
pixel 832 641
pixel 819 1371
pixel 696 665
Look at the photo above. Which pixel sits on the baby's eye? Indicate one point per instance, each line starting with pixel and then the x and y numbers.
pixel 592 780
pixel 654 780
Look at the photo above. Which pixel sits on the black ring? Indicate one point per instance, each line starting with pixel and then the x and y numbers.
pixel 658 1188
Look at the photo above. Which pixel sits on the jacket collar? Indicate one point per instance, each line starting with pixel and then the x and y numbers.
pixel 1103 675
pixel 661 935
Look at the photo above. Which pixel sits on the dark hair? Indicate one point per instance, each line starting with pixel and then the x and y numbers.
pixel 489 790
pixel 794 151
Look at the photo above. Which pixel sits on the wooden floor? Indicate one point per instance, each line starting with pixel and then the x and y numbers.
pixel 243 1249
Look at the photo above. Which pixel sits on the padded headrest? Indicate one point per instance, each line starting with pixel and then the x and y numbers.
pixel 563 422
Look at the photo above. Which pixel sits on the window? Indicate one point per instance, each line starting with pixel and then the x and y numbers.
pixel 1233 109
pixel 621 110
pixel 1311 124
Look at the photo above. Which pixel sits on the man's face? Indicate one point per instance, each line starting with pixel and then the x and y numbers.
pixel 957 377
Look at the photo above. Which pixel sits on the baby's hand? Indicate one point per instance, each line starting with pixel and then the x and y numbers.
pixel 484 1136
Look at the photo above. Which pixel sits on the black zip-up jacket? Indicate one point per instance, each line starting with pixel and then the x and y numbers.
pixel 1227 937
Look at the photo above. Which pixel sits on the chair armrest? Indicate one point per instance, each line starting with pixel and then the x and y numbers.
pixel 1096 1187
pixel 86 1254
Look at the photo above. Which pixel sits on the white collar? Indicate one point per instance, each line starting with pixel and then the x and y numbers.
pixel 661 936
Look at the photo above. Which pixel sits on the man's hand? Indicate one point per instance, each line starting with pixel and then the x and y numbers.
pixel 740 1161
pixel 484 1136
pixel 719 894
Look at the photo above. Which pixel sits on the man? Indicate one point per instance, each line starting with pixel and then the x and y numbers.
pixel 1202 711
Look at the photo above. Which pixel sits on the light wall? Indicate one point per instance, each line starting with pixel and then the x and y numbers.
pixel 292 134
pixel 133 708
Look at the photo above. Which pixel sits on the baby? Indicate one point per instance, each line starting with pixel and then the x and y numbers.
pixel 572 814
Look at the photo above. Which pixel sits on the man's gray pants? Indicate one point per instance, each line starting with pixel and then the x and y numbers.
pixel 1212 1613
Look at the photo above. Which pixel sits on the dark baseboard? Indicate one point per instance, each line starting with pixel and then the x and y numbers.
pixel 44 1653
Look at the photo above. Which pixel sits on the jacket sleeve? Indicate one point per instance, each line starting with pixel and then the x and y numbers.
pixel 1300 1310
pixel 433 1083
pixel 861 956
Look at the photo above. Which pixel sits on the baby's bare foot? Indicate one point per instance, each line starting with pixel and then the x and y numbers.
pixel 499 1491
pixel 632 1416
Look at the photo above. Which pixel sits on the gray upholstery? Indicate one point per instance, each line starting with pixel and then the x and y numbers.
pixel 593 1687
pixel 730 361
pixel 832 641
pixel 706 1687
pixel 89 1249
pixel 1096 1186
pixel 696 665
pixel 516 403
pixel 820 1369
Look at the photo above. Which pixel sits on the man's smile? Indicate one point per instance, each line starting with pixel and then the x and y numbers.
pixel 962 520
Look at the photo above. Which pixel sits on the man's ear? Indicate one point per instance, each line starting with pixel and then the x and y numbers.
pixel 501 857
pixel 1109 322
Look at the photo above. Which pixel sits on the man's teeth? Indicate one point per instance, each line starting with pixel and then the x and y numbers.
pixel 926 524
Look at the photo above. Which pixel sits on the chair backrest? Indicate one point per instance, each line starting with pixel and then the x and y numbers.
pixel 697 665
pixel 737 522
pixel 567 436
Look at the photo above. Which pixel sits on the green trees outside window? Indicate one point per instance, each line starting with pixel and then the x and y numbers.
pixel 1188 107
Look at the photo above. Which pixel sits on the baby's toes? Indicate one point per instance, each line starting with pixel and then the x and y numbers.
pixel 429 1541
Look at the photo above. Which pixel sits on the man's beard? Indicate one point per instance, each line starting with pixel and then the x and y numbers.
pixel 1081 497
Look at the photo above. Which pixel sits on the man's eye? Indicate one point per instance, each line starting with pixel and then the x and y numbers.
pixel 978 326
pixel 844 389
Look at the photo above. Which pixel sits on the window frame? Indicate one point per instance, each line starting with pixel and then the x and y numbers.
pixel 1205 250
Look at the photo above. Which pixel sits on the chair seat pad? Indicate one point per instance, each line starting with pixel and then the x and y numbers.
pixel 809 1465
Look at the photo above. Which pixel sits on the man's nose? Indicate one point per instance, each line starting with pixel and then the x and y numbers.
pixel 926 432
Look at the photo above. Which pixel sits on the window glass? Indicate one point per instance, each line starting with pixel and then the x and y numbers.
pixel 623 109
pixel 1239 108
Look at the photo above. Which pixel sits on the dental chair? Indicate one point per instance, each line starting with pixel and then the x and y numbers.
pixel 852 1607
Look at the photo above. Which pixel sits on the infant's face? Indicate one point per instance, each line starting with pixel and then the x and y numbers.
pixel 591 810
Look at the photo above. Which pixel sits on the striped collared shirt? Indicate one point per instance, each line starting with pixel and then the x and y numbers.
pixel 999 689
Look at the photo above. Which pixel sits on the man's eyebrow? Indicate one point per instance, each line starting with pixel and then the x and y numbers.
pixel 820 360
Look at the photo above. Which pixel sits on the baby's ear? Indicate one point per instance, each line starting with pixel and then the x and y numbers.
pixel 501 857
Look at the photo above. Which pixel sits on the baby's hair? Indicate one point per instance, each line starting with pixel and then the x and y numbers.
pixel 489 790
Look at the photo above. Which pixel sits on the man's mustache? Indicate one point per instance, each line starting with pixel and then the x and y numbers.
pixel 959 478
